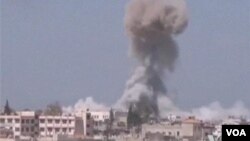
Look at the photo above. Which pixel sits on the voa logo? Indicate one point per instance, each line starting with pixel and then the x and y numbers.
pixel 236 132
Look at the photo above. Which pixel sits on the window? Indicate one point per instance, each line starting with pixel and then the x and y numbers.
pixel 17 120
pixel 57 129
pixel 50 129
pixel 88 125
pixel 23 120
pixel 64 130
pixel 9 120
pixel 64 121
pixel 69 121
pixel 32 129
pixel 41 129
pixel 49 120
pixel 32 121
pixel 169 133
pixel 17 129
pixel 27 121
pixel 57 121
pixel 42 120
pixel 2 120
pixel 88 116
pixel 178 133
pixel 27 129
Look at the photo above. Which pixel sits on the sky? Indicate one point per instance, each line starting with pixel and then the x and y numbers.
pixel 60 50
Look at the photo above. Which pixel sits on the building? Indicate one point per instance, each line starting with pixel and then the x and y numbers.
pixel 165 129
pixel 23 123
pixel 84 124
pixel 120 119
pixel 99 115
pixel 12 123
pixel 29 123
pixel 192 129
pixel 189 129
pixel 100 121
pixel 52 125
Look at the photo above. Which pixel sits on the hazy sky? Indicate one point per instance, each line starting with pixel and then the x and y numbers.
pixel 61 50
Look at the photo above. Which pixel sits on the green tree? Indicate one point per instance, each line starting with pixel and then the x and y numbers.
pixel 109 124
pixel 111 118
pixel 134 117
pixel 130 117
pixel 137 120
pixel 7 109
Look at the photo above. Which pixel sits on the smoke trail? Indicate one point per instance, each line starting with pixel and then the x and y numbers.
pixel 151 26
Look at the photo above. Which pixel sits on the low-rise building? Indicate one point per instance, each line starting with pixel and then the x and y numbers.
pixel 166 129
pixel 29 123
pixel 192 129
pixel 189 129
pixel 84 123
pixel 51 125
pixel 12 123
pixel 99 115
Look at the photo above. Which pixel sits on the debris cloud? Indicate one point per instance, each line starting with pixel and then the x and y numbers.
pixel 151 26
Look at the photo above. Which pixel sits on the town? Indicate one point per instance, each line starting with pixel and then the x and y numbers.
pixel 52 124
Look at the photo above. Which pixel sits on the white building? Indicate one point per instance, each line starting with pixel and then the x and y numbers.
pixel 29 123
pixel 99 115
pixel 11 122
pixel 52 125
pixel 21 123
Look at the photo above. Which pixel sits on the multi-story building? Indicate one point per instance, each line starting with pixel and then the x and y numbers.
pixel 29 123
pixel 120 120
pixel 192 129
pixel 11 122
pixel 84 123
pixel 99 115
pixel 100 119
pixel 51 125
pixel 22 123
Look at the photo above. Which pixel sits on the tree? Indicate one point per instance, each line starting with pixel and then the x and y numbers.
pixel 137 120
pixel 111 117
pixel 129 117
pixel 134 118
pixel 109 123
pixel 145 108
pixel 53 109
pixel 7 109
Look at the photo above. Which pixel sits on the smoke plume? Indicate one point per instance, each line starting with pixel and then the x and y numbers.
pixel 151 26
pixel 216 111
pixel 81 104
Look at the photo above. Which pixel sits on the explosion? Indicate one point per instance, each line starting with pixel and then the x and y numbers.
pixel 151 26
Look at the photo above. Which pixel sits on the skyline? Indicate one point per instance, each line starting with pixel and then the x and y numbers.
pixel 64 51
